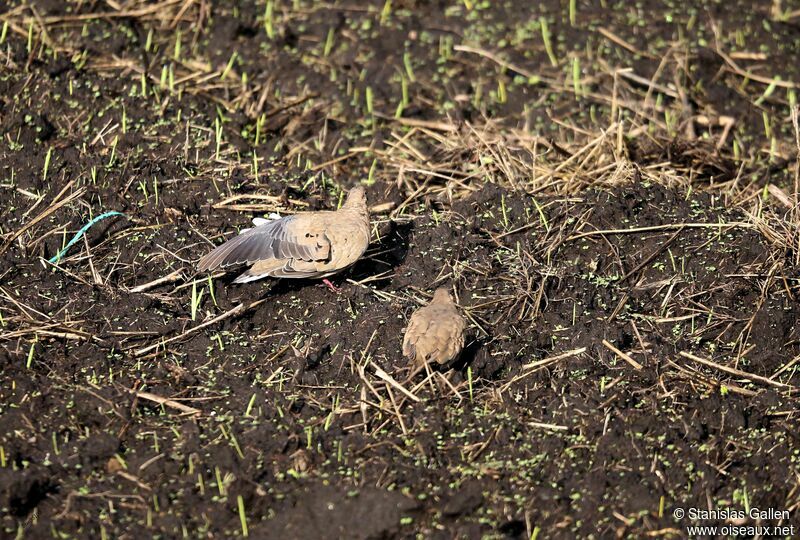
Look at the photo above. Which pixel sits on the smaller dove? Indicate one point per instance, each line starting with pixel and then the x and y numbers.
pixel 435 332
pixel 303 245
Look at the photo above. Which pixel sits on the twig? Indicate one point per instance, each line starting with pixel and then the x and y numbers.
pixel 52 208
pixel 499 61
pixel 608 34
pixel 666 227
pixel 543 425
pixel 389 379
pixel 169 278
pixel 533 366
pixel 414 122
pixel 634 364
pixel 168 402
pixel 734 371
pixel 653 255
pixel 230 313
pixel 752 76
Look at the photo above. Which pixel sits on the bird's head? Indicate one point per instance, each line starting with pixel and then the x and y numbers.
pixel 356 195
pixel 356 199
pixel 442 296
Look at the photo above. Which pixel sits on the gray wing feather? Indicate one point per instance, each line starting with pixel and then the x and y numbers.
pixel 278 239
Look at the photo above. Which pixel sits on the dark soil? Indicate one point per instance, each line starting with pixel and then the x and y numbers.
pixel 295 434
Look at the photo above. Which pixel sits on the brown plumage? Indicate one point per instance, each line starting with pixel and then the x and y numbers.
pixel 304 245
pixel 435 332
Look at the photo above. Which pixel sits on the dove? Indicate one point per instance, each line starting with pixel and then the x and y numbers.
pixel 303 245
pixel 435 332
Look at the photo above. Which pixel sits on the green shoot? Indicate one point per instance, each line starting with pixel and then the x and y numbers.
pixel 113 152
pixel 409 69
pixel 576 76
pixel 768 92
pixel 143 189
pixel 217 136
pixel 196 298
pixel 228 67
pixel 47 162
pixel 259 126
pixel 746 500
pixel 368 97
pixel 211 290
pixel 404 92
pixel 371 175
pixel 773 149
pixel 30 353
pixel 548 45
pixel 268 19
pixel 242 517
pixel 250 405
pixel 329 42
pixel 176 54
pixel 220 484
pixel 386 11
pixel 236 446
pixel 542 217
pixel 121 461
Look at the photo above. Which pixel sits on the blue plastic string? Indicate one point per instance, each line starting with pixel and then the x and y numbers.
pixel 81 232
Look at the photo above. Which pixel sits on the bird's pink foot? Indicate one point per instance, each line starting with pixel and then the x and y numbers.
pixel 331 286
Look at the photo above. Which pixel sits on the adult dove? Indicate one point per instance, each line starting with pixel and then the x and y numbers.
pixel 303 245
pixel 435 332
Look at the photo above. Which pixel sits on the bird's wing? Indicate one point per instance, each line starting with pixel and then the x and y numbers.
pixel 459 327
pixel 417 327
pixel 291 268
pixel 434 333
pixel 300 237
pixel 449 337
